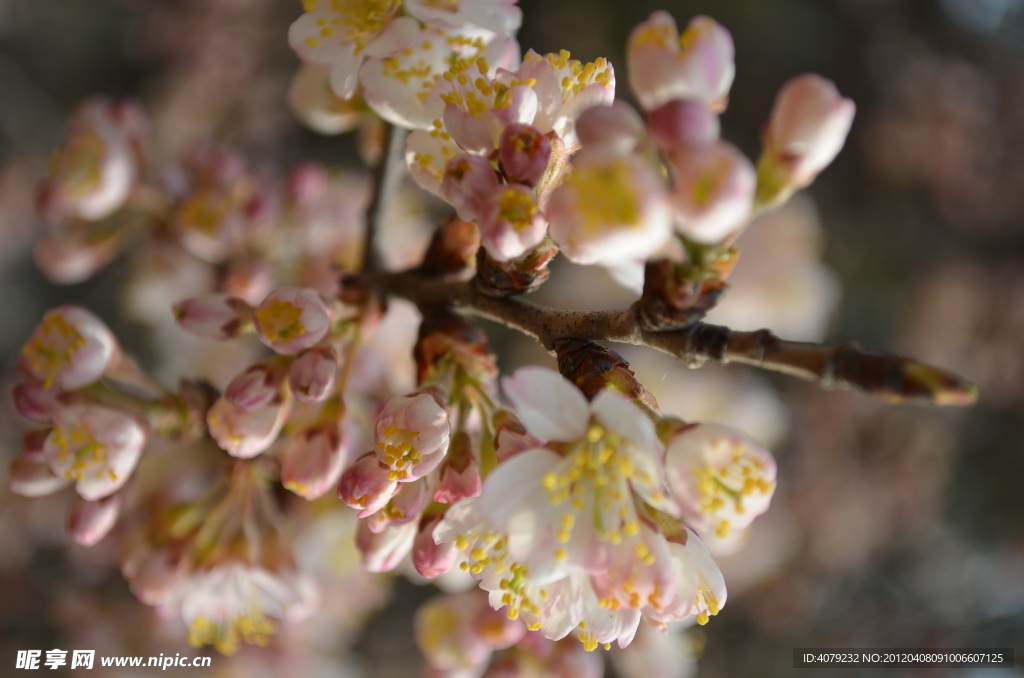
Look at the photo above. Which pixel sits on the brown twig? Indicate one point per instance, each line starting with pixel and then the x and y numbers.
pixel 387 177
pixel 843 365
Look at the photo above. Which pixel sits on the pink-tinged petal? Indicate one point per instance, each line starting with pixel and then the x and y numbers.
pixel 314 462
pixel 468 179
pixel 344 77
pixel 35 402
pixel 365 485
pixel 411 435
pixel 664 65
pixel 400 33
pixel 682 124
pixel 394 86
pixel 616 125
pixel 70 348
pixel 70 258
pixel 427 154
pixel 500 16
pixel 315 104
pixel 460 473
pixel 714 192
pixel 549 406
pixel 33 478
pixel 95 446
pixel 255 387
pixel 510 222
pixel 304 37
pixel 313 373
pixel 510 492
pixel 624 418
pixel 470 132
pixel 291 319
pixel 155 575
pixel 608 209
pixel 524 153
pixel 383 552
pixel 742 469
pixel 808 127
pixel 428 557
pixel 89 521
pixel 214 316
pixel 245 434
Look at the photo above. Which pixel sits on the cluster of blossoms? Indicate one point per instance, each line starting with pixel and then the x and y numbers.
pixel 580 508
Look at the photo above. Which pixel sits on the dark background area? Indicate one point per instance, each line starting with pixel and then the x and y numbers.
pixel 902 527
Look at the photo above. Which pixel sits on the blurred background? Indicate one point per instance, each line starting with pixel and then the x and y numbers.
pixel 891 526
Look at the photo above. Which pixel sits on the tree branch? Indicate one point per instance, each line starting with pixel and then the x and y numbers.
pixel 843 365
pixel 387 178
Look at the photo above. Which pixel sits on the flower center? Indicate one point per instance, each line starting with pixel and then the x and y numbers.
pixel 398 451
pixel 723 489
pixel 251 627
pixel 79 164
pixel 517 208
pixel 606 196
pixel 52 347
pixel 78 441
pixel 280 320
pixel 357 21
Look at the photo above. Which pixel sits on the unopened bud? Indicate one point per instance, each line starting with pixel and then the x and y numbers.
pixel 429 558
pixel 90 521
pixel 214 316
pixel 683 123
pixel 467 181
pixel 524 153
pixel 255 387
pixel 314 462
pixel 313 373
pixel 366 485
pixel 460 474
pixel 35 402
pixel 616 126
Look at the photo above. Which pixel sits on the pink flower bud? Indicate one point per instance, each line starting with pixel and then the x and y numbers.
pixel 511 436
pixel 249 280
pixel 405 506
pixel 214 316
pixel 30 476
pixel 383 551
pixel 721 478
pixel 314 461
pixel 429 558
pixel 244 434
pixel 713 193
pixel 35 402
pixel 70 349
pixel 609 209
pixel 411 436
pixel 69 258
pixel 96 447
pixel 510 222
pixel 153 575
pixel 807 129
pixel 366 485
pixel 313 373
pixel 616 125
pixel 683 123
pixel 664 66
pixel 90 521
pixel 292 319
pixel 524 153
pixel 255 387
pixel 93 173
pixel 460 474
pixel 34 444
pixel 467 181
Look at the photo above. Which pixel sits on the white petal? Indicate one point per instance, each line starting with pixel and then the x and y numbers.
pixel 550 407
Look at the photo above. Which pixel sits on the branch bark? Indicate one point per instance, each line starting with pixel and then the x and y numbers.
pixel 387 177
pixel 842 365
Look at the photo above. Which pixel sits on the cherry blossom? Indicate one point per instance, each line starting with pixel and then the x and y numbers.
pixel 70 349
pixel 95 447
